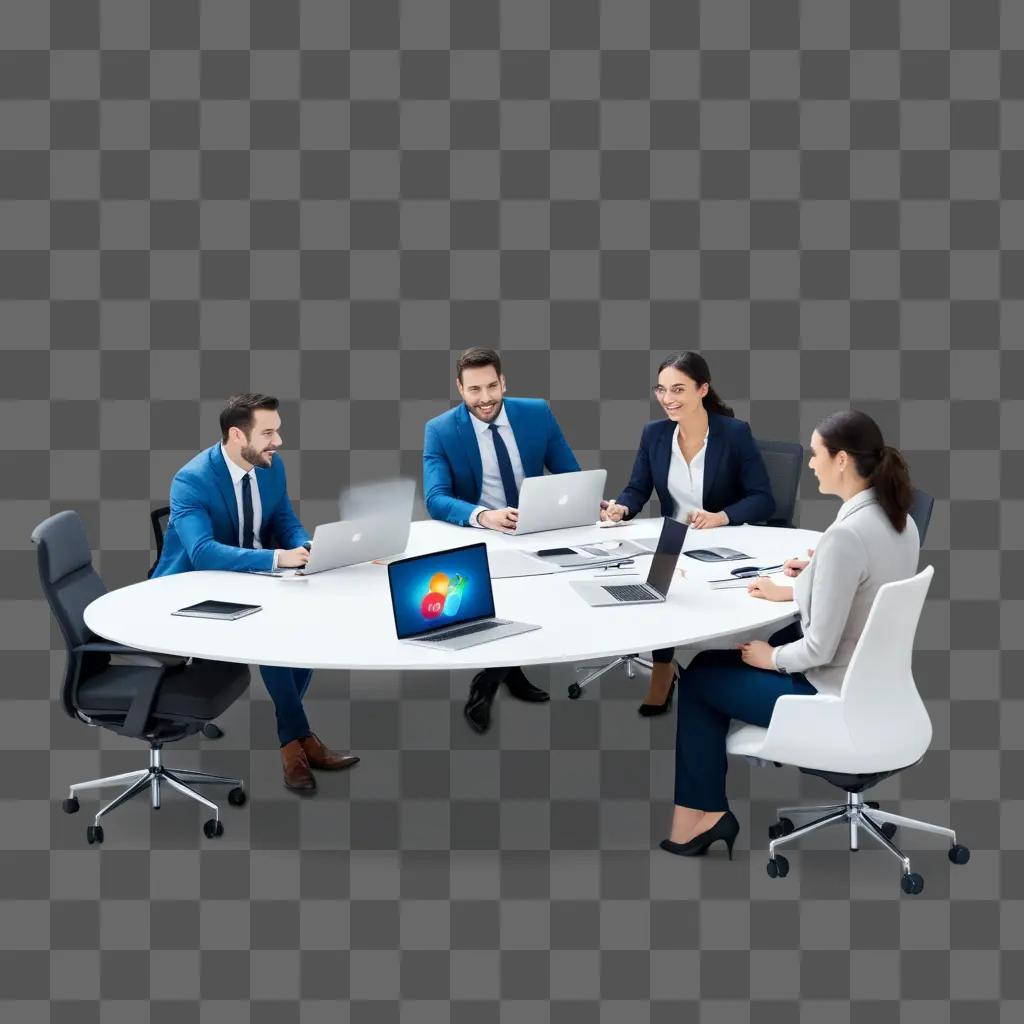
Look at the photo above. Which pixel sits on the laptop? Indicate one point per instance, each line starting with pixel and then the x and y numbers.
pixel 380 528
pixel 560 500
pixel 654 591
pixel 444 600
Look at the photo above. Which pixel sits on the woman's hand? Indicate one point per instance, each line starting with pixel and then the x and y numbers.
pixel 765 589
pixel 795 566
pixel 757 654
pixel 613 512
pixel 701 520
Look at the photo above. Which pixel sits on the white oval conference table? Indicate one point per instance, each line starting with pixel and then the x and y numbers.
pixel 342 619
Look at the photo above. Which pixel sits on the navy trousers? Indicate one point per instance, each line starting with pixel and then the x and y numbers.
pixel 716 688
pixel 287 687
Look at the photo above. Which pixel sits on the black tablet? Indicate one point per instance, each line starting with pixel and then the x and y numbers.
pixel 218 610
pixel 715 554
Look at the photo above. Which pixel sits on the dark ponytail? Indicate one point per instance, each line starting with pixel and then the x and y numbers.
pixel 883 466
pixel 696 368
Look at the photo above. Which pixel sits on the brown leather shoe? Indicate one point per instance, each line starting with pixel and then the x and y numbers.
pixel 320 756
pixel 297 776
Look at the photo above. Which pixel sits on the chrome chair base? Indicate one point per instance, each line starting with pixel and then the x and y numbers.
pixel 857 816
pixel 626 661
pixel 153 779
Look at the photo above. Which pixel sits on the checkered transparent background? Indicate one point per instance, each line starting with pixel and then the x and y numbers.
pixel 324 200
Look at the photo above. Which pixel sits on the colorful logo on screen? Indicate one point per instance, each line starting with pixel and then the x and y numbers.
pixel 443 596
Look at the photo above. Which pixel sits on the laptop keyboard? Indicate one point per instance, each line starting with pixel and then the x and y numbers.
pixel 452 634
pixel 629 592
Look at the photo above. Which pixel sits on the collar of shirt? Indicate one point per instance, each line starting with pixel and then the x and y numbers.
pixel 675 442
pixel 861 498
pixel 234 469
pixel 501 420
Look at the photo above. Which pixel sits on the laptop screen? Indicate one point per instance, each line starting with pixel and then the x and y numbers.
pixel 670 543
pixel 439 590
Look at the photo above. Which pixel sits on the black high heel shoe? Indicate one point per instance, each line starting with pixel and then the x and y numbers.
pixel 726 829
pixel 650 710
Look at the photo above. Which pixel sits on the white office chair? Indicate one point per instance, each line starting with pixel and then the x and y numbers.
pixel 877 726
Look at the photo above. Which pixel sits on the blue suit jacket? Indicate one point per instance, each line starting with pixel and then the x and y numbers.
pixel 452 473
pixel 735 478
pixel 203 529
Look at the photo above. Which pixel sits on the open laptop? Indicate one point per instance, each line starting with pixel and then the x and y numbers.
pixel 444 600
pixel 663 566
pixel 379 527
pixel 560 500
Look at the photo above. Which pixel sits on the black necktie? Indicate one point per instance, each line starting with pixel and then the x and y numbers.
pixel 508 477
pixel 246 511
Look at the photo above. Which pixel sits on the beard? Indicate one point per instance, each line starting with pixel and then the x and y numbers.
pixel 261 457
pixel 493 413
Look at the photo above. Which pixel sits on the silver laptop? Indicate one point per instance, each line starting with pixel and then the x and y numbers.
pixel 444 600
pixel 560 500
pixel 654 589
pixel 380 527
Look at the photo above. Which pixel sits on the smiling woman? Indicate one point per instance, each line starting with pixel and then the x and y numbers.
pixel 707 471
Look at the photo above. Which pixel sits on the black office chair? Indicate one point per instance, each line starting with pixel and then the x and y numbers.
pixel 921 512
pixel 784 461
pixel 156 698
pixel 158 517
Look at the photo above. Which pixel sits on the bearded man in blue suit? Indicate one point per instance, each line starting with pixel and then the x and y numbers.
pixel 230 511
pixel 475 458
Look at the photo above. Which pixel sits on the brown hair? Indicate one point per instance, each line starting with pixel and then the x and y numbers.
pixel 695 366
pixel 857 434
pixel 239 412
pixel 478 356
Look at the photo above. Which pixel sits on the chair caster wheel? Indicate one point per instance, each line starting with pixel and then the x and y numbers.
pixel 888 830
pixel 237 797
pixel 70 806
pixel 575 691
pixel 94 833
pixel 781 828
pixel 959 854
pixel 212 732
pixel 213 828
pixel 873 804
pixel 912 883
pixel 778 867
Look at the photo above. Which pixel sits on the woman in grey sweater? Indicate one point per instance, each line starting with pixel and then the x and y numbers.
pixel 872 541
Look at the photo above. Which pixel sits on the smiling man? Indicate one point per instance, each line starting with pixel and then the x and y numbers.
pixel 230 511
pixel 475 458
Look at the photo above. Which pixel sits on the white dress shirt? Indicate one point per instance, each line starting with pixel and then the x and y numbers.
pixel 492 494
pixel 237 475
pixel 686 479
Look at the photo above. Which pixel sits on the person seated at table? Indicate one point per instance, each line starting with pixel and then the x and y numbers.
pixel 475 458
pixel 873 541
pixel 707 470
pixel 230 510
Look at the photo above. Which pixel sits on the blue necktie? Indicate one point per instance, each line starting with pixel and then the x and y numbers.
pixel 246 511
pixel 508 478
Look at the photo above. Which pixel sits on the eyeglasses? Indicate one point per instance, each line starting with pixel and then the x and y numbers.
pixel 676 390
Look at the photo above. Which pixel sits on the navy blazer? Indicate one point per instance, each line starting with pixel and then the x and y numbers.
pixel 452 473
pixel 735 478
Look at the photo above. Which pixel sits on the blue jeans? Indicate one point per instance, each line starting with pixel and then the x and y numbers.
pixel 716 688
pixel 287 687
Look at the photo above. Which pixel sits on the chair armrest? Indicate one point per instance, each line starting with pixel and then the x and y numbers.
pixel 805 722
pixel 105 647
pixel 134 655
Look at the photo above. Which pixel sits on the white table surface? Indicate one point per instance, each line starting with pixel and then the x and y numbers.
pixel 343 620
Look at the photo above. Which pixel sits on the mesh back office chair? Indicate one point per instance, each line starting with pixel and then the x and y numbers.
pixel 876 726
pixel 154 698
pixel 158 518
pixel 921 512
pixel 783 461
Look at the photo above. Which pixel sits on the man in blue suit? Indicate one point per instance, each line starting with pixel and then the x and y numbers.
pixel 475 458
pixel 230 510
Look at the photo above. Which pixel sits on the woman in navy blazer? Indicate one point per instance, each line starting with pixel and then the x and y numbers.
pixel 706 468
